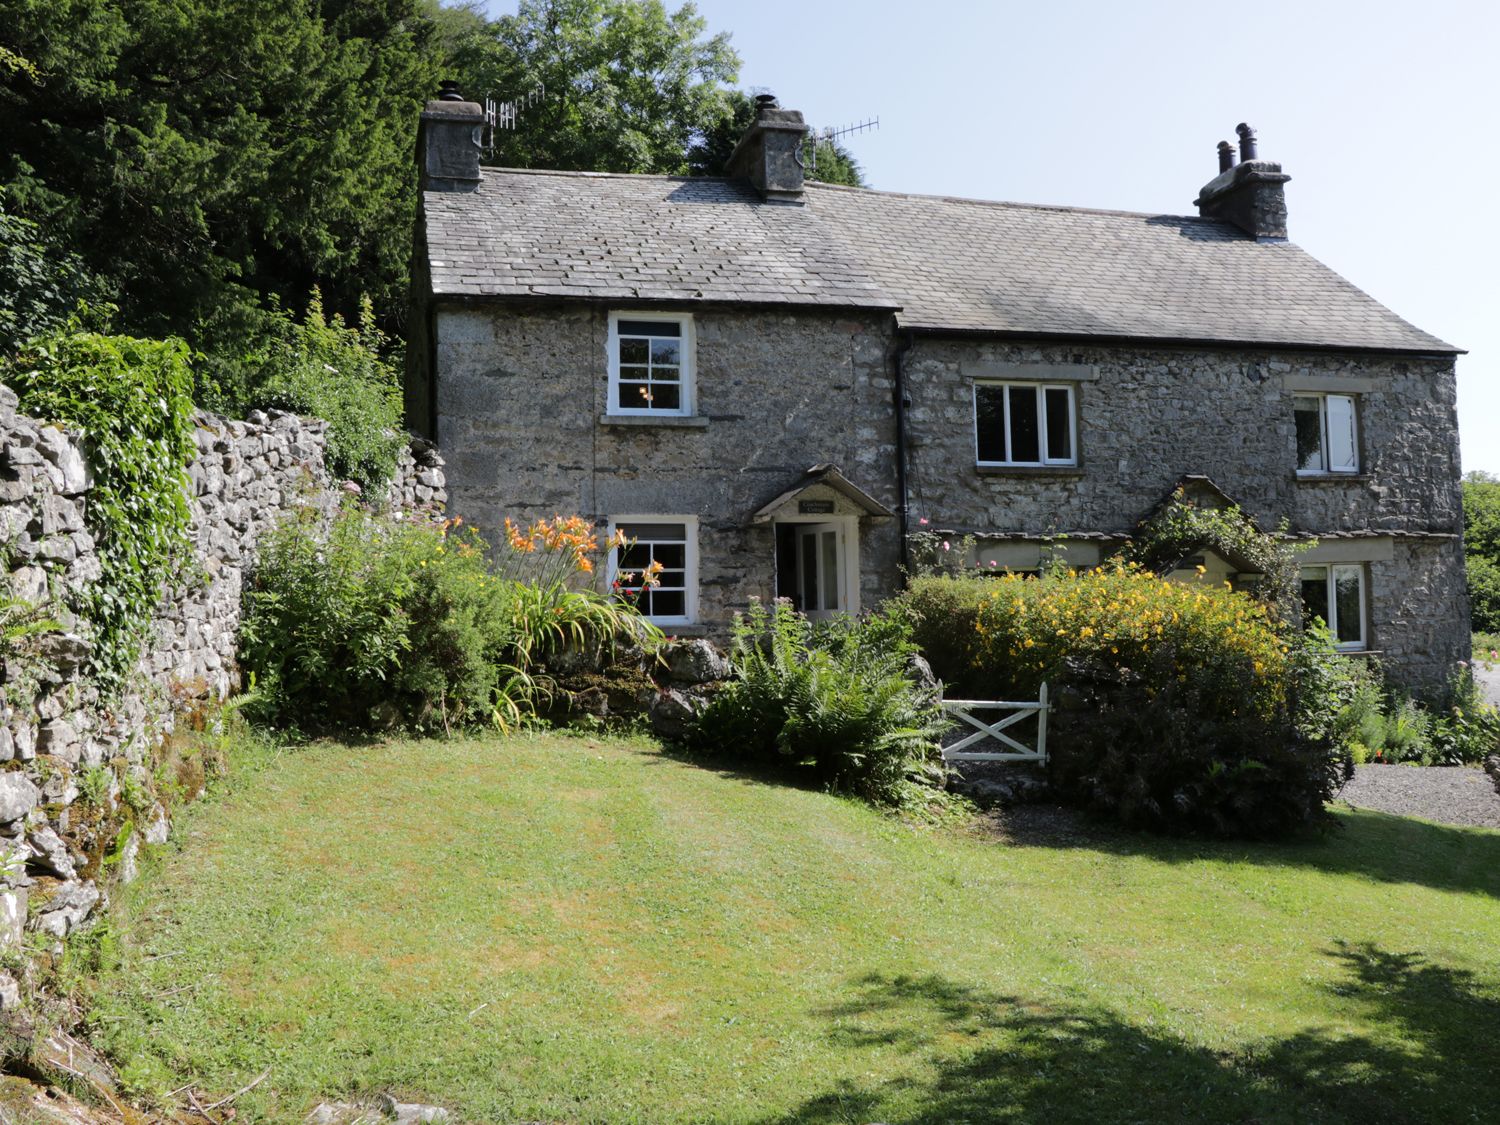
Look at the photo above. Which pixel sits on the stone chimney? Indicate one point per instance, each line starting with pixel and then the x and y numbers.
pixel 448 141
pixel 1248 194
pixel 770 152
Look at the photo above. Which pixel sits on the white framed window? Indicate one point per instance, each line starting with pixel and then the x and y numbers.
pixel 667 546
pixel 650 364
pixel 1025 424
pixel 1336 593
pixel 1327 434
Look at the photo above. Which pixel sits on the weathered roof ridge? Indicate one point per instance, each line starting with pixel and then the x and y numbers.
pixel 942 263
pixel 1014 204
pixel 822 186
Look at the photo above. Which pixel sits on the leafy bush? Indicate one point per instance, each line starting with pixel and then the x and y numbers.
pixel 370 621
pixel 835 701
pixel 129 399
pixel 1176 708
pixel 1484 592
pixel 324 368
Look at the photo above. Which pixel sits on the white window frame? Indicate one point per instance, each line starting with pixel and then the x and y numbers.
pixel 1041 419
pixel 687 381
pixel 690 564
pixel 1325 435
pixel 1331 575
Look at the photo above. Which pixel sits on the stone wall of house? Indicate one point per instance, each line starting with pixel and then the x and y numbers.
pixel 521 403
pixel 1149 416
pixel 56 732
pixel 521 398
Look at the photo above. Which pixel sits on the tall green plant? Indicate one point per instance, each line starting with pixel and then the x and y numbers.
pixel 323 367
pixel 129 401
pixel 837 702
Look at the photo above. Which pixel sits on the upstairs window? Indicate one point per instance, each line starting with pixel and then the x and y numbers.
pixel 1024 424
pixel 650 364
pixel 1336 594
pixel 1327 434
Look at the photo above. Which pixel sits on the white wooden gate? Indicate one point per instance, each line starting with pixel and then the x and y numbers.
pixel 1019 752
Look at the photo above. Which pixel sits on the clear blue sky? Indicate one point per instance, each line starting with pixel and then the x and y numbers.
pixel 1385 115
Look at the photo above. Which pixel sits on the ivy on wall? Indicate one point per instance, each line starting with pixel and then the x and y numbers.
pixel 1183 527
pixel 129 399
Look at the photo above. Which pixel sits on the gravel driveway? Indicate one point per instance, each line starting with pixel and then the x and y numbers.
pixel 1446 794
pixel 1488 680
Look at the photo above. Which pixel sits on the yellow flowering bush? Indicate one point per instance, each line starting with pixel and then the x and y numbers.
pixel 1175 697
pixel 1009 633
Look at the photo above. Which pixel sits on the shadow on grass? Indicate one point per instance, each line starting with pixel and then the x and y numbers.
pixel 1371 845
pixel 978 1056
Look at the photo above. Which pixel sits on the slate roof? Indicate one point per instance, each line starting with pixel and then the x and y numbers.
pixel 943 264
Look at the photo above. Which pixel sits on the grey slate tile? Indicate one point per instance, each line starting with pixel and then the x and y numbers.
pixel 942 263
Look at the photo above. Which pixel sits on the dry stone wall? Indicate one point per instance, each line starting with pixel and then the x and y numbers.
pixel 70 762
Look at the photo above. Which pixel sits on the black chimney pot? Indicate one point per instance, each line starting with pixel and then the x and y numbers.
pixel 1247 141
pixel 1226 156
pixel 448 91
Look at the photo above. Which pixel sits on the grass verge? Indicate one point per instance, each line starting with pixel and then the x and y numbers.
pixel 583 930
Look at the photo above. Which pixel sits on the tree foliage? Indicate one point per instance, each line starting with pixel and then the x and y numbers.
pixel 202 154
pixel 629 86
pixel 41 283
pixel 1482 548
pixel 825 161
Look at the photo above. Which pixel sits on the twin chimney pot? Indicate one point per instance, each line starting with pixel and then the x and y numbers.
pixel 1249 193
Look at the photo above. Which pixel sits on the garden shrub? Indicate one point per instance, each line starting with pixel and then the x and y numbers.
pixel 129 400
pixel 836 702
pixel 376 621
pixel 1176 700
pixel 322 367
pixel 1484 591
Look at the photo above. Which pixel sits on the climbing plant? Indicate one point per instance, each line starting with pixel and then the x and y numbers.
pixel 129 400
pixel 1182 527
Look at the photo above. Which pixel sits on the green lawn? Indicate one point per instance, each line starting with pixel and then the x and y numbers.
pixel 568 930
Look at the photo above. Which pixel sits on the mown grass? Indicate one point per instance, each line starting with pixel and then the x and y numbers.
pixel 568 930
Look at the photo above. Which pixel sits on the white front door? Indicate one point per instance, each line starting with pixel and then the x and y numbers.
pixel 821 569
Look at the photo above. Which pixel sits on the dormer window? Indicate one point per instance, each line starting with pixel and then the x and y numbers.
pixel 650 364
pixel 1327 434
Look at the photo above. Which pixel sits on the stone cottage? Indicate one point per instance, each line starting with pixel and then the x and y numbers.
pixel 770 384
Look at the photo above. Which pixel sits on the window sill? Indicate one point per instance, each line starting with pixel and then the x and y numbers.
pixel 1060 471
pixel 1331 478
pixel 669 421
pixel 693 630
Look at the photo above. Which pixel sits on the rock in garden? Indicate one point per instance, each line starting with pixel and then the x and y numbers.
pixel 12 917
pixel 696 662
pixel 674 712
pixel 17 796
pixel 49 852
pixel 67 908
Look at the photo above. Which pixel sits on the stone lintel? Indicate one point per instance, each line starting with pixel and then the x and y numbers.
pixel 1334 384
pixel 980 371
pixel 1334 551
